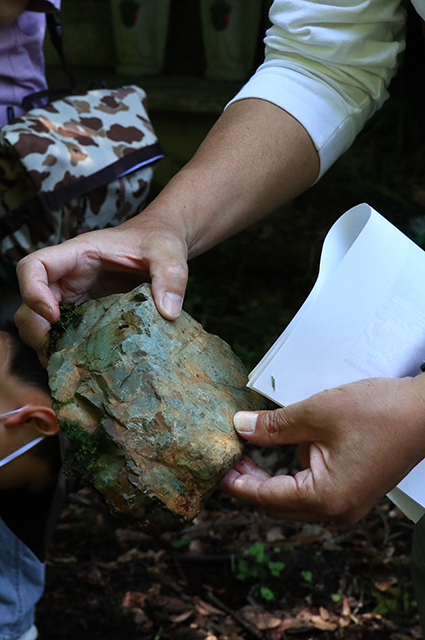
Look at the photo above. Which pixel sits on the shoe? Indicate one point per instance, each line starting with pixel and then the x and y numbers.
pixel 31 634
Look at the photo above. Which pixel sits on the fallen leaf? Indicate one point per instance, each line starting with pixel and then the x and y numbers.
pixel 205 609
pixel 129 556
pixel 344 622
pixel 196 547
pixel 182 617
pixel 141 618
pixel 324 613
pixel 323 625
pixel 384 585
pixel 128 536
pixel 345 607
pixel 170 605
pixel 267 621
pixel 134 599
pixel 274 534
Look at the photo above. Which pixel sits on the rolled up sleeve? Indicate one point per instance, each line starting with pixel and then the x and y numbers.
pixel 328 64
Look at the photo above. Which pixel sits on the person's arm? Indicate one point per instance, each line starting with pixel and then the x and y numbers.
pixel 308 96
pixel 255 157
pixel 329 63
pixel 356 442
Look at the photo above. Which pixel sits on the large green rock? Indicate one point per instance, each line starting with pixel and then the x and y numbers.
pixel 147 405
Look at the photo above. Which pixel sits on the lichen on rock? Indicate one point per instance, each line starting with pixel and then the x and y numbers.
pixel 147 405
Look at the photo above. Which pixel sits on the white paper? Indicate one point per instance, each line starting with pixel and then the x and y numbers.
pixel 365 317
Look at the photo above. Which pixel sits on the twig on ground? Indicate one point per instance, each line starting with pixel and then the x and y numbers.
pixel 240 619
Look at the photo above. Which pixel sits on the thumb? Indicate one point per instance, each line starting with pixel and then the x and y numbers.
pixel 169 279
pixel 35 289
pixel 34 330
pixel 281 426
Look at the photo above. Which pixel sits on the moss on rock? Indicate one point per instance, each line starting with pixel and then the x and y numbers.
pixel 147 405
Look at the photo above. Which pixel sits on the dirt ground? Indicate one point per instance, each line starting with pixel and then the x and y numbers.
pixel 233 574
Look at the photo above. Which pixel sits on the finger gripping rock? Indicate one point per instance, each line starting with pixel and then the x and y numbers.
pixel 147 405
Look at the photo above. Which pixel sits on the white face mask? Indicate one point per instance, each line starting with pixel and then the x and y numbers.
pixel 23 449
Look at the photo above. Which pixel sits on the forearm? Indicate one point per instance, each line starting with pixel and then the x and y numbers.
pixel 255 158
pixel 328 63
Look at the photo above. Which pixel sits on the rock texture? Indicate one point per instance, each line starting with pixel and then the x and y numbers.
pixel 147 405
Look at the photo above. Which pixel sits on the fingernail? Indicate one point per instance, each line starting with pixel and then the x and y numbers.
pixel 172 304
pixel 245 421
pixel 44 310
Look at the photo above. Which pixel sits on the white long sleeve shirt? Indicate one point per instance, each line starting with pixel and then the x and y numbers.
pixel 328 64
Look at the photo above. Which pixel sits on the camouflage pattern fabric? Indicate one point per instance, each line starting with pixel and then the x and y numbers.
pixel 66 140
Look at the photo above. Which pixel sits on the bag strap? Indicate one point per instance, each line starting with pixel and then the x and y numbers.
pixel 49 200
pixel 127 164
pixel 30 100
pixel 54 26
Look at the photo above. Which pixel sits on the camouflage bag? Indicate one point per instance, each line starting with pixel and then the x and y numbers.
pixel 77 164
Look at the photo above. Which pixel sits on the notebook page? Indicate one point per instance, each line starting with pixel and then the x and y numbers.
pixel 366 318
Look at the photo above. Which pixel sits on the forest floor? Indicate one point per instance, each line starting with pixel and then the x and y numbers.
pixel 235 574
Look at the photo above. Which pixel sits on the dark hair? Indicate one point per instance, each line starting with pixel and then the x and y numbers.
pixel 25 366
pixel 24 363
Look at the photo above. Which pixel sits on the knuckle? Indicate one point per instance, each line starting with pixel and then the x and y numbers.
pixel 176 272
pixel 321 406
pixel 333 404
pixel 24 260
pixel 328 399
pixel 273 423
pixel 21 266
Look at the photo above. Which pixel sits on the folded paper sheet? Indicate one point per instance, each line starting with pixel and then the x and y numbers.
pixel 365 317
